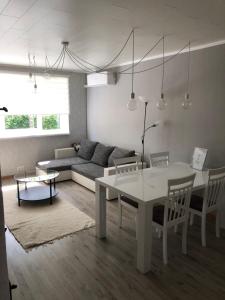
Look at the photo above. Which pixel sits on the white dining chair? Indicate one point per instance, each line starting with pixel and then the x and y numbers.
pixel 160 159
pixel 125 166
pixel 175 210
pixel 209 202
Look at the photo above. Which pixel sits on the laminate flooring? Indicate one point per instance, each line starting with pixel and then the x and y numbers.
pixel 82 267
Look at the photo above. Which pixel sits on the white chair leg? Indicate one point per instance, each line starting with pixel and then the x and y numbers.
pixel 217 225
pixel 192 219
pixel 203 230
pixel 184 237
pixel 165 260
pixel 120 212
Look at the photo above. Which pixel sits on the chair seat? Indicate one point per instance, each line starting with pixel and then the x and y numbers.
pixel 158 214
pixel 129 201
pixel 196 202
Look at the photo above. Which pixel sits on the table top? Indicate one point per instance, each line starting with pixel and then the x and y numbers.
pixel 34 178
pixel 152 183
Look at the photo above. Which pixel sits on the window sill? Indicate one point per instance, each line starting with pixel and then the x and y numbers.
pixel 33 135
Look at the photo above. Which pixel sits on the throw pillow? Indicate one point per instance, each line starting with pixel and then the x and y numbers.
pixel 119 153
pixel 86 149
pixel 101 155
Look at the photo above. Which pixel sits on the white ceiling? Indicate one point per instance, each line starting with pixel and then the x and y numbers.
pixel 96 29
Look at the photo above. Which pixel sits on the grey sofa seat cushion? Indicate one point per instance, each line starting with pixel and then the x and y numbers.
pixel 89 170
pixel 62 164
pixel 101 155
pixel 86 149
pixel 119 153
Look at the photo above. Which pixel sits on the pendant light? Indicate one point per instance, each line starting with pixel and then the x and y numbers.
pixel 34 75
pixel 30 66
pixel 187 103
pixel 161 104
pixel 132 103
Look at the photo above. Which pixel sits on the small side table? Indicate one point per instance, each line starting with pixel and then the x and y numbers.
pixel 37 193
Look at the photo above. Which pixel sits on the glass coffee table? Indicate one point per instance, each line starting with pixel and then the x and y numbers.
pixel 36 193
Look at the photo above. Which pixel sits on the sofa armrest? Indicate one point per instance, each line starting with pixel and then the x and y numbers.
pixel 112 170
pixel 64 152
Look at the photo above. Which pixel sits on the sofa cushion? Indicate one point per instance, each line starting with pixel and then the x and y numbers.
pixel 86 149
pixel 101 155
pixel 62 164
pixel 119 153
pixel 89 170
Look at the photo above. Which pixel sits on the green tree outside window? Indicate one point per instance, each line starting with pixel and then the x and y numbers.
pixel 20 121
pixel 50 122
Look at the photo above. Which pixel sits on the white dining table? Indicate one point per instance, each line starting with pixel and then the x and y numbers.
pixel 147 187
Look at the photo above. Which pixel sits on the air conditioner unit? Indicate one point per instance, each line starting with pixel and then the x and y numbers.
pixel 98 79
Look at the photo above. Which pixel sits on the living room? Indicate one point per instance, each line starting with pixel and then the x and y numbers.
pixel 161 71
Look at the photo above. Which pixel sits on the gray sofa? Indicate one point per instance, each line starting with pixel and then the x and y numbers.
pixel 93 160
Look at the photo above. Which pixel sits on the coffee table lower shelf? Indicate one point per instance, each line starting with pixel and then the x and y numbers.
pixel 37 193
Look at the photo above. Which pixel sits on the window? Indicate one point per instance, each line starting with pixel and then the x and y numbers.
pixel 45 112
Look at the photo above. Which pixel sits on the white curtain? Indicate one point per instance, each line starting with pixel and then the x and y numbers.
pixel 18 95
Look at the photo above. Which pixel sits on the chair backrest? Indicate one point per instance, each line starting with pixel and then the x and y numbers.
pixel 198 158
pixel 178 201
pixel 127 164
pixel 216 183
pixel 160 159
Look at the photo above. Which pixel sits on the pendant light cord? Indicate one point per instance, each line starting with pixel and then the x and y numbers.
pixel 35 82
pixel 132 75
pixel 189 65
pixel 163 63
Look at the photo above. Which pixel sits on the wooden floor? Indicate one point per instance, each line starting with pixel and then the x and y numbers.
pixel 82 267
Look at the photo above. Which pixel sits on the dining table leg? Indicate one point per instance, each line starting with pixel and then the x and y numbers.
pixel 100 210
pixel 144 237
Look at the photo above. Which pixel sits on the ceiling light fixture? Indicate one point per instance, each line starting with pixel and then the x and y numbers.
pixel 88 67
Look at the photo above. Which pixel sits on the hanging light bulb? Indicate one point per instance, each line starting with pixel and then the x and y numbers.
pixel 132 103
pixel 161 104
pixel 187 103
pixel 35 88
pixel 30 76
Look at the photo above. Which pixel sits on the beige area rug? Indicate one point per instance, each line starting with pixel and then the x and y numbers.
pixel 36 223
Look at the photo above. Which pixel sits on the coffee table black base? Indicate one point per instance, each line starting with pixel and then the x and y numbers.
pixel 37 193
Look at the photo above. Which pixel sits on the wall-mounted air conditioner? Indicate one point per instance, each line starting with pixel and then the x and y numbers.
pixel 98 79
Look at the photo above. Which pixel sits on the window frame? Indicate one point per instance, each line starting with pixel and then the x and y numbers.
pixel 39 131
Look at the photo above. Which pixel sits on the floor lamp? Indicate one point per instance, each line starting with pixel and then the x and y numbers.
pixel 132 105
pixel 145 130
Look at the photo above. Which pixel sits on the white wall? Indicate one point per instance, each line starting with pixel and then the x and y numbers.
pixel 27 151
pixel 109 121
